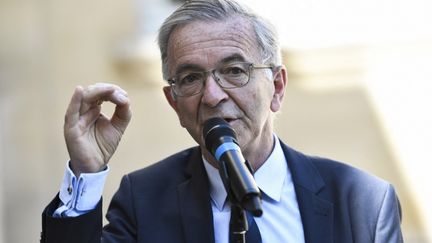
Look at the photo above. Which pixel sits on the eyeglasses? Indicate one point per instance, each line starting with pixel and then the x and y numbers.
pixel 228 76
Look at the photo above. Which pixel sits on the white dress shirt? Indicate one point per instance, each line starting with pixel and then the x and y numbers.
pixel 80 195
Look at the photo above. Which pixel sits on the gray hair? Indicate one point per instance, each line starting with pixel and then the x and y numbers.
pixel 219 10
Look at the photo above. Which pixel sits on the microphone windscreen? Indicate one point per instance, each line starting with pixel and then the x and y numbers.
pixel 217 131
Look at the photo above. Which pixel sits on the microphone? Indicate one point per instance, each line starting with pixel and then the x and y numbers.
pixel 221 140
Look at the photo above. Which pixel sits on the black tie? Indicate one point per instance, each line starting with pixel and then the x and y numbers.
pixel 252 235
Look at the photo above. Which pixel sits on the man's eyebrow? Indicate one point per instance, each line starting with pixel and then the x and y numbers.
pixel 233 58
pixel 188 66
pixel 195 67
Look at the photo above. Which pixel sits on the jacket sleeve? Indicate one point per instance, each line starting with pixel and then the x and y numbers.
pixel 122 226
pixel 388 228
pixel 86 228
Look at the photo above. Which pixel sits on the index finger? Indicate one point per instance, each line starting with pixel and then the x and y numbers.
pixel 95 94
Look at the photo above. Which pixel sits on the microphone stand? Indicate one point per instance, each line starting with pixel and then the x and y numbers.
pixel 238 224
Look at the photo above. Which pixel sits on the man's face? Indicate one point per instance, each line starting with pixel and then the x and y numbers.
pixel 206 45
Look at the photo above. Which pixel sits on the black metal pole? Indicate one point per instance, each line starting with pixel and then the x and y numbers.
pixel 238 225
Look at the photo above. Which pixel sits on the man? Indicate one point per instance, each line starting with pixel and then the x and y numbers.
pixel 222 61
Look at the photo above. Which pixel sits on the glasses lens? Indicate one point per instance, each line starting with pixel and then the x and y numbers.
pixel 233 75
pixel 189 84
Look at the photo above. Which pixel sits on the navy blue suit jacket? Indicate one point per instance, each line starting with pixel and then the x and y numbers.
pixel 169 202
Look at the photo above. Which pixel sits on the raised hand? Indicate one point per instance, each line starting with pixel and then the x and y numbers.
pixel 92 137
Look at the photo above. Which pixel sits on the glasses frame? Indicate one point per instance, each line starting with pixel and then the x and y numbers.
pixel 251 67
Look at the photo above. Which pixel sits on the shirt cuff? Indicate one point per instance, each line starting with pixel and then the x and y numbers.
pixel 84 193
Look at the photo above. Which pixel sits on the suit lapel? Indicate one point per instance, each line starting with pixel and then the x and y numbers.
pixel 316 212
pixel 195 205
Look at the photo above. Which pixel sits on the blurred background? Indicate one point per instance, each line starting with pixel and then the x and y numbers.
pixel 359 91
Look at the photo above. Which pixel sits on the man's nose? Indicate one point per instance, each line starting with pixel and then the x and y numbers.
pixel 213 93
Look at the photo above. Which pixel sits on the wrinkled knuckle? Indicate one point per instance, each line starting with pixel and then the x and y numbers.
pixel 66 118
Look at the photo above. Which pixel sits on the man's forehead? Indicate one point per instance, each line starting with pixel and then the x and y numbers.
pixel 229 25
pixel 233 58
pixel 212 38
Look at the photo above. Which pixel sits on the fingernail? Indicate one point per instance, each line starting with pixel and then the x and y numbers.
pixel 121 97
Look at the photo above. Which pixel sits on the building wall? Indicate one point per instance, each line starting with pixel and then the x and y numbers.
pixel 49 47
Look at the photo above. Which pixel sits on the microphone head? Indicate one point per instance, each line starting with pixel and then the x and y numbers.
pixel 217 131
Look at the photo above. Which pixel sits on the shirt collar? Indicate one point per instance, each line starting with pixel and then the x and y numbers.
pixel 218 193
pixel 275 167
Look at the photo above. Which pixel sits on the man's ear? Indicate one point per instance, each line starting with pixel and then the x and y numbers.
pixel 169 95
pixel 172 100
pixel 280 80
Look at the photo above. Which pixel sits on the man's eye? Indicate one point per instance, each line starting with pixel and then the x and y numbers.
pixel 190 79
pixel 233 70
